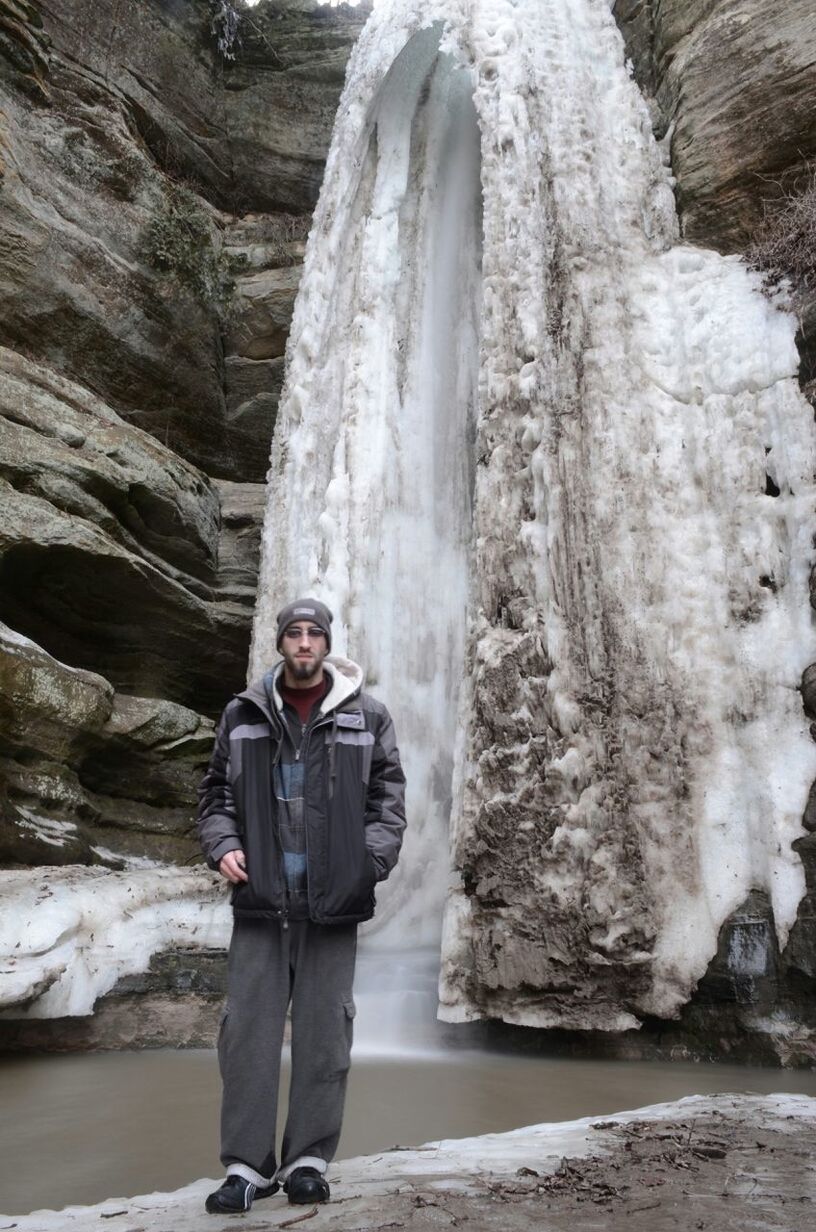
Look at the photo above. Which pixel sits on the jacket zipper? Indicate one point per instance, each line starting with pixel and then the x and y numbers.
pixel 303 748
pixel 304 742
pixel 284 914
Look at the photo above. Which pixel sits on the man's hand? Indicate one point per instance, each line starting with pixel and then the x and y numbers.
pixel 233 867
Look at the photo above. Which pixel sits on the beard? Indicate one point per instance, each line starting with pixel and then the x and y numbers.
pixel 304 671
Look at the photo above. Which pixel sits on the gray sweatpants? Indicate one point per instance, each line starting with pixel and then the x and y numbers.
pixel 313 966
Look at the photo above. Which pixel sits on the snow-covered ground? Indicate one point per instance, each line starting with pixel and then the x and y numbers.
pixel 551 468
pixel 68 934
pixel 363 1188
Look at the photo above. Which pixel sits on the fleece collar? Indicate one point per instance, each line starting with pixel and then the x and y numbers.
pixel 346 682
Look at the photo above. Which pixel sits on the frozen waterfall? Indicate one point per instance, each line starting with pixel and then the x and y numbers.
pixel 372 470
pixel 522 451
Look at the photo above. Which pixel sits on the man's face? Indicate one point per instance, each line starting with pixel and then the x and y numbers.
pixel 304 648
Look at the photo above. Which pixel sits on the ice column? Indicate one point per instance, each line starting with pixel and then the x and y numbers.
pixel 372 467
pixel 632 753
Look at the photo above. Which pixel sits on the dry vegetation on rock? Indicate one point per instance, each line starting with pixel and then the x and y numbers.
pixel 784 245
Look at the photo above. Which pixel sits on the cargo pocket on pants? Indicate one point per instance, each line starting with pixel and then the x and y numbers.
pixel 345 1037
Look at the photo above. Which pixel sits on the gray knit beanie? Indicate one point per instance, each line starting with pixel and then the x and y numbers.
pixel 305 609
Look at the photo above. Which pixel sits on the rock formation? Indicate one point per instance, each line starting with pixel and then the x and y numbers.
pixel 154 200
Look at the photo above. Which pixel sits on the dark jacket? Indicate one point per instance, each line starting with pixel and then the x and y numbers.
pixel 354 799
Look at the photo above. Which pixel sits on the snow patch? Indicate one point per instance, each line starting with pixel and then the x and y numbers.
pixel 67 935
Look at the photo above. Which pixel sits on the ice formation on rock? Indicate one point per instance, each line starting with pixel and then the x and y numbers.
pixel 552 470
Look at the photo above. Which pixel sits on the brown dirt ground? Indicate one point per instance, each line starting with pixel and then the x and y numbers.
pixel 710 1172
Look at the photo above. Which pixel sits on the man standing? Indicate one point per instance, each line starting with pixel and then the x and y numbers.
pixel 302 809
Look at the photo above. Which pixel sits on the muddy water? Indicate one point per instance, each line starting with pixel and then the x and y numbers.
pixel 77 1129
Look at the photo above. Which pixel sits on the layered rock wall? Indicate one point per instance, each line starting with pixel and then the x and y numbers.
pixel 731 82
pixel 138 392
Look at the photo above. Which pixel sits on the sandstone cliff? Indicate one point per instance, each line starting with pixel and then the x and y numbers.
pixel 154 199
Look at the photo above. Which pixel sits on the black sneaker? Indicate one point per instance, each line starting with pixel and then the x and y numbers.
pixel 236 1196
pixel 305 1185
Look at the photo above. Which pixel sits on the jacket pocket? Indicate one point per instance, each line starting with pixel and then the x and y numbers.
pixel 353 747
pixel 350 869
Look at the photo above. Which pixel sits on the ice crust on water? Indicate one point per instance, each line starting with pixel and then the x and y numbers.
pixel 68 934
pixel 522 451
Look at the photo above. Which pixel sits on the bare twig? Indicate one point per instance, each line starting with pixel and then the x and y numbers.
pixel 288 1223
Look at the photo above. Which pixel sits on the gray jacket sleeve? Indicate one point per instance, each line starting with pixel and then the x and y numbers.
pixel 217 821
pixel 385 799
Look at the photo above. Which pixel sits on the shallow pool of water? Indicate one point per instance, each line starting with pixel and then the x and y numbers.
pixel 77 1129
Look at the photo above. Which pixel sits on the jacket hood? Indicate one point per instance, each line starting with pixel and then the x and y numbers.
pixel 346 681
